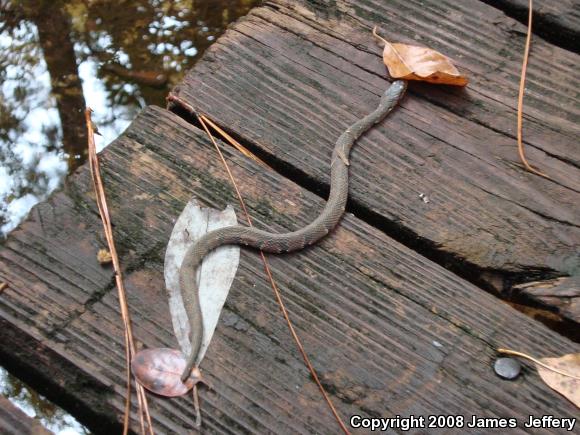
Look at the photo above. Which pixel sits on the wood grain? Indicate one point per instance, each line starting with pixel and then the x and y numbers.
pixel 388 331
pixel 558 22
pixel 563 294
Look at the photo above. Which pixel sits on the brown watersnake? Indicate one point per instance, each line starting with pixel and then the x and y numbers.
pixel 283 242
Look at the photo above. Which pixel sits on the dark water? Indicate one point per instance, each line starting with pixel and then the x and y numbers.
pixel 56 57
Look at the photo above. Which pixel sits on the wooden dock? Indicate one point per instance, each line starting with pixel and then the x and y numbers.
pixel 398 308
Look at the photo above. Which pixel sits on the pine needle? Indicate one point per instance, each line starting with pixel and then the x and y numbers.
pixel 246 152
pixel 521 98
pixel 108 230
pixel 277 294
pixel 242 149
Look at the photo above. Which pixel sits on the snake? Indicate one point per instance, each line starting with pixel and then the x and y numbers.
pixel 279 242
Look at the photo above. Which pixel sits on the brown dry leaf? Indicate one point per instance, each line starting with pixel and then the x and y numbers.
pixel 159 370
pixel 568 386
pixel 410 62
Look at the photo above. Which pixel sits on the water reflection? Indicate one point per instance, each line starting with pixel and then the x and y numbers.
pixel 56 56
pixel 36 406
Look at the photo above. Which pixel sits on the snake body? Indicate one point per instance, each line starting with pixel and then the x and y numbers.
pixel 285 242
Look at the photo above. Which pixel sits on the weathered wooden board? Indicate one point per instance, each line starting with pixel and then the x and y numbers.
pixel 557 21
pixel 15 422
pixel 389 331
pixel 291 76
pixel 560 293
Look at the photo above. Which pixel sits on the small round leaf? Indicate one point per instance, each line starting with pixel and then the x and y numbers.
pixel 159 370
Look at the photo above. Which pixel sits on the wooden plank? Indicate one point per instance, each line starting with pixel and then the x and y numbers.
pixel 15 422
pixel 558 22
pixel 388 331
pixel 291 76
pixel 560 293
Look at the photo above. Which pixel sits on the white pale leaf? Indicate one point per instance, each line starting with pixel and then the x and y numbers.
pixel 217 270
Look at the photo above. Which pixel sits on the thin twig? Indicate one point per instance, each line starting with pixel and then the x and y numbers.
pixel 108 230
pixel 521 98
pixel 275 287
pixel 538 362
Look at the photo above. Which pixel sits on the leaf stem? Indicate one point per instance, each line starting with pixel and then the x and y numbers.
pixel 537 361
pixel 380 38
